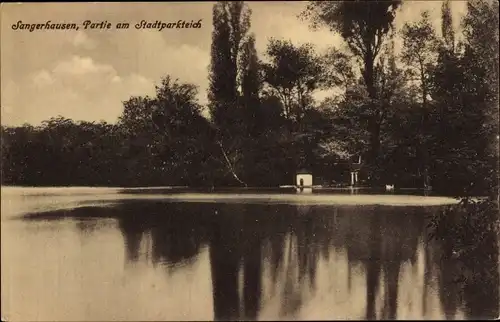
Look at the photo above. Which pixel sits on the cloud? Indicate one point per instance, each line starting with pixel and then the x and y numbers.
pixel 78 88
pixel 43 78
pixel 7 109
pixel 84 88
pixel 78 66
pixel 284 23
pixel 151 53
pixel 133 85
pixel 10 91
pixel 81 39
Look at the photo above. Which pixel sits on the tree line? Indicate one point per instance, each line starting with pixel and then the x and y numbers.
pixel 425 115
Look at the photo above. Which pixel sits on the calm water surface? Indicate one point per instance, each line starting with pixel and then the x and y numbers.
pixel 104 257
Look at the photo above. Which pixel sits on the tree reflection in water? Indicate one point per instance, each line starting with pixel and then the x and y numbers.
pixel 174 239
pixel 282 246
pixel 224 262
pixel 466 255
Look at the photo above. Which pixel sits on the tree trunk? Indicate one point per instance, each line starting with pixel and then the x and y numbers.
pixel 374 130
pixel 425 152
pixel 373 123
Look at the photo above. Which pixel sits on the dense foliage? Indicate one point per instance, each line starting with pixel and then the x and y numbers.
pixel 426 115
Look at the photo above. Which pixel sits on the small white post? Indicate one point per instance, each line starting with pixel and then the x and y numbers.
pixel 352 178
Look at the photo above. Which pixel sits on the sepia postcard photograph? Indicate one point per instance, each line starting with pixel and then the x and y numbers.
pixel 250 160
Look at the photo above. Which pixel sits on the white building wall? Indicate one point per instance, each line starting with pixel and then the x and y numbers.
pixel 308 179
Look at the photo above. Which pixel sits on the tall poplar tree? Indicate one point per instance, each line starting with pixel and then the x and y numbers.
pixel 419 55
pixel 447 26
pixel 231 22
pixel 250 84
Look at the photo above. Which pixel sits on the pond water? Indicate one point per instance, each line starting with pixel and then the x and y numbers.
pixel 105 254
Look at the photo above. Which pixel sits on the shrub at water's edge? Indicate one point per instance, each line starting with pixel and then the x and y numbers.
pixel 467 234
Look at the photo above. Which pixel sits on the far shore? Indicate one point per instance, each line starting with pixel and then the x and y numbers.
pixel 231 195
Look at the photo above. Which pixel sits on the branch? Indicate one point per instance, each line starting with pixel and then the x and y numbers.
pixel 378 43
pixel 229 165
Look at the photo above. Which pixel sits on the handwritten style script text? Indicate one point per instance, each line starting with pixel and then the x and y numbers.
pixel 104 25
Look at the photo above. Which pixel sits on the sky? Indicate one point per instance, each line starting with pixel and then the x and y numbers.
pixel 87 74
